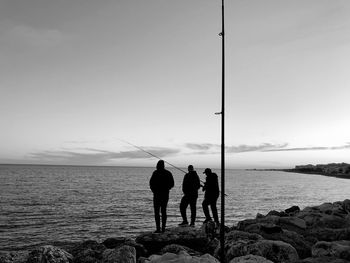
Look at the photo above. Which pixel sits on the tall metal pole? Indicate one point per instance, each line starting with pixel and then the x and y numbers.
pixel 222 226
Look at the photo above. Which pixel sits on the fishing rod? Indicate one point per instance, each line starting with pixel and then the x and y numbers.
pixel 153 155
pixel 141 149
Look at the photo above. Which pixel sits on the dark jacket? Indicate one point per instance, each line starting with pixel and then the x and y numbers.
pixel 211 187
pixel 161 182
pixel 191 184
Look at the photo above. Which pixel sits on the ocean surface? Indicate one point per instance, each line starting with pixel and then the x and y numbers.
pixel 63 204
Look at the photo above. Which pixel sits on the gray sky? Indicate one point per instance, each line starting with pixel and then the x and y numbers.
pixel 79 76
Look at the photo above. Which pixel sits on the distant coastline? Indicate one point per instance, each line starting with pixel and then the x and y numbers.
pixel 339 170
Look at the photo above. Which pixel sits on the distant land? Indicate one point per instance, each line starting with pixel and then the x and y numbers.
pixel 341 170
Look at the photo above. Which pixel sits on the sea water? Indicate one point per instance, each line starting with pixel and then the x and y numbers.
pixel 63 204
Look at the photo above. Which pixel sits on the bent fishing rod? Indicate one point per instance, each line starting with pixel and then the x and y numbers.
pixel 155 156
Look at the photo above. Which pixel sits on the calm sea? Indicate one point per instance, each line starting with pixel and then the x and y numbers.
pixel 50 204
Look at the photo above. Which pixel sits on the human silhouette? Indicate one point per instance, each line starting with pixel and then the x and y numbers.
pixel 211 195
pixel 190 186
pixel 160 183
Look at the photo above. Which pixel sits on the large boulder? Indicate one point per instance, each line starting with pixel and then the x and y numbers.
pixel 120 241
pixel 338 249
pixel 181 257
pixel 191 237
pixel 238 243
pixel 328 234
pixel 88 252
pixel 125 254
pixel 275 232
pixel 250 259
pixel 49 254
pixel 322 260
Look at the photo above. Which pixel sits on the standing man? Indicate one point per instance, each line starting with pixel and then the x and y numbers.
pixel 160 183
pixel 190 186
pixel 211 195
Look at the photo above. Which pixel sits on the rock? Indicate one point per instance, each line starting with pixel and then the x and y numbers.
pixel 338 249
pixel 13 257
pixel 176 249
pixel 114 242
pixel 292 210
pixel 250 259
pixel 88 252
pixel 125 254
pixel 181 257
pixel 276 251
pixel 191 237
pixel 120 241
pixel 323 260
pixel 293 224
pixel 49 254
pixel 6 257
pixel 238 243
pixel 328 234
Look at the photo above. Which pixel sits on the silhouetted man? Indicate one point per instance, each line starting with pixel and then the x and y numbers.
pixel 160 183
pixel 190 186
pixel 211 195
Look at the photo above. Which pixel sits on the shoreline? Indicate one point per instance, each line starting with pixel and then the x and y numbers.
pixel 314 234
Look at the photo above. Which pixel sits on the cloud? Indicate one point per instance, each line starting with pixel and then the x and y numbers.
pixel 317 148
pixel 206 148
pixel 201 147
pixel 96 156
pixel 255 148
pixel 35 36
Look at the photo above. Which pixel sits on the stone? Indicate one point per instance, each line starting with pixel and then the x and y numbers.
pixel 323 260
pixel 49 254
pixel 88 252
pixel 276 251
pixel 250 259
pixel 190 237
pixel 328 234
pixel 174 248
pixel 238 243
pixel 181 257
pixel 125 254
pixel 338 249
pixel 292 210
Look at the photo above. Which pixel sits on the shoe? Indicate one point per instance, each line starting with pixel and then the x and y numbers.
pixel 192 225
pixel 207 220
pixel 184 223
pixel 157 231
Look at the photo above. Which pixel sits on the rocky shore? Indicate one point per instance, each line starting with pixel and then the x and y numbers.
pixel 313 234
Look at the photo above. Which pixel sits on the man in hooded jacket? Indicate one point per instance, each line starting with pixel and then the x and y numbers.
pixel 160 183
pixel 190 186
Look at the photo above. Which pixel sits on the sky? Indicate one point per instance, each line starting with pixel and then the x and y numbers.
pixel 82 81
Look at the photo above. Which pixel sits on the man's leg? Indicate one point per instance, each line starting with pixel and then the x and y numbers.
pixel 205 204
pixel 183 207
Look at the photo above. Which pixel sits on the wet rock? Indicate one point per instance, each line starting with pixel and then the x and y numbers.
pixel 323 260
pixel 292 210
pixel 88 252
pixel 114 242
pixel 328 234
pixel 49 254
pixel 125 254
pixel 176 249
pixel 191 237
pixel 338 249
pixel 181 257
pixel 120 241
pixel 239 243
pixel 250 259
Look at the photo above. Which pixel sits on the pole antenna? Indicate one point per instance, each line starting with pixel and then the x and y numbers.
pixel 222 225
